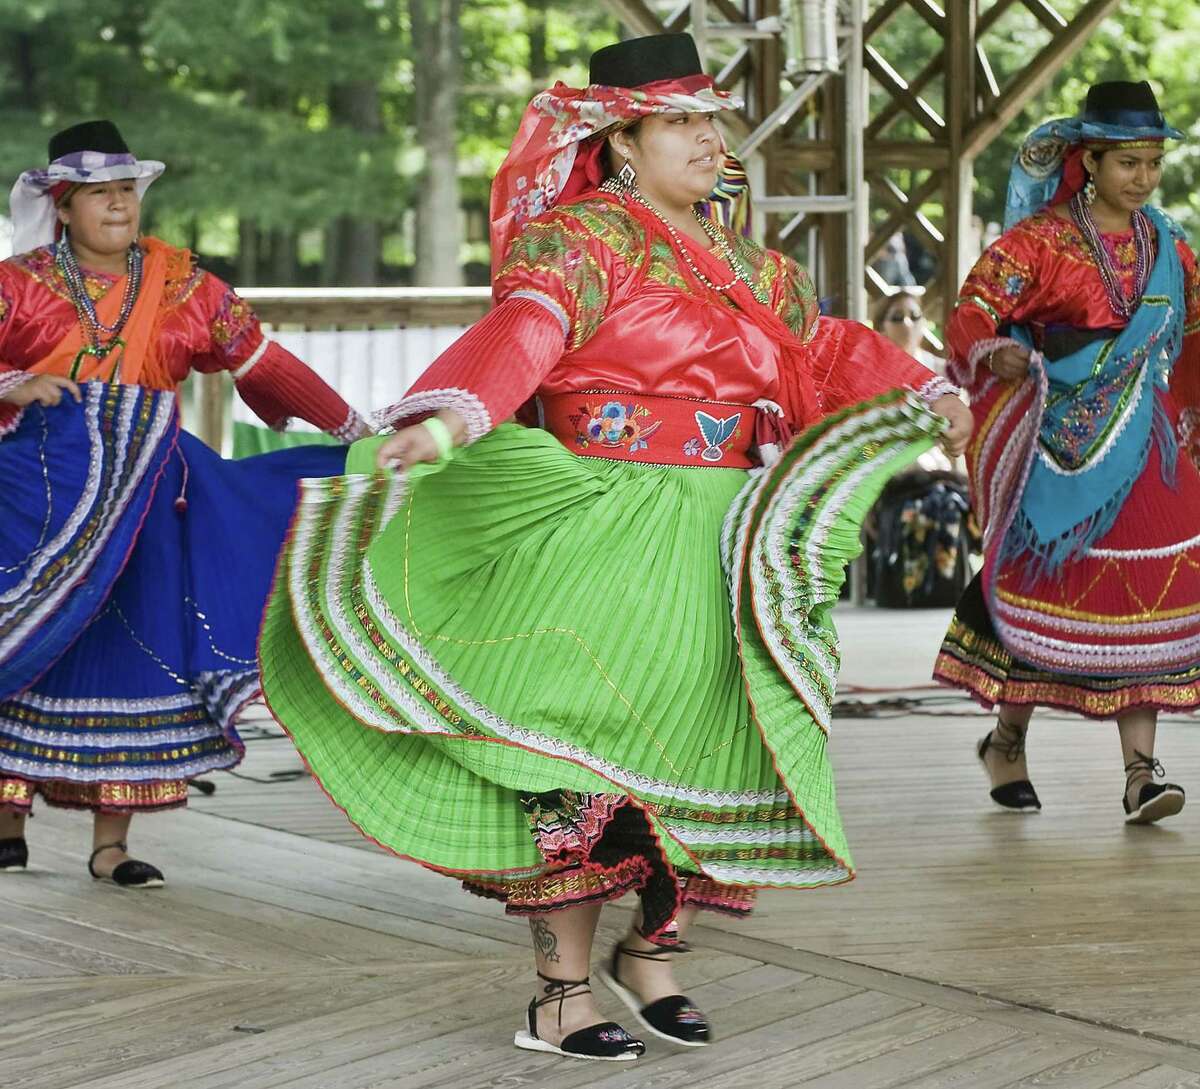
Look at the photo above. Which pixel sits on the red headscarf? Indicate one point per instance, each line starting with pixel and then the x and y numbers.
pixel 553 156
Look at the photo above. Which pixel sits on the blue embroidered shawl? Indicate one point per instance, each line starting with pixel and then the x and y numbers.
pixel 1101 413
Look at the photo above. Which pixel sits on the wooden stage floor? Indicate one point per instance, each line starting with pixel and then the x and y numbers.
pixel 976 949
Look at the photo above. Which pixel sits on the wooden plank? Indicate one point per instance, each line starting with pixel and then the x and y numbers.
pixel 989 18
pixel 452 1065
pixel 54 1012
pixel 905 215
pixel 1032 1062
pixel 1092 1070
pixel 890 80
pixel 197 1045
pixel 854 1047
pixel 894 108
pixel 1160 1077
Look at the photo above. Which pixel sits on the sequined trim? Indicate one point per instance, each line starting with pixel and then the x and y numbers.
pixel 10 380
pixel 233 323
pixel 462 401
pixel 982 667
pixel 935 387
pixel 353 428
pixel 709 895
pixel 545 301
pixel 18 795
pixel 568 887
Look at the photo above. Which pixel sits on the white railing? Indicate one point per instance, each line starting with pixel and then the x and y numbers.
pixel 370 344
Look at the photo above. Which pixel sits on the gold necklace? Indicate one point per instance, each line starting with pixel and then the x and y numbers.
pixel 720 243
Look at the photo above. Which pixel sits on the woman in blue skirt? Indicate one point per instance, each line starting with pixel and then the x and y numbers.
pixel 134 561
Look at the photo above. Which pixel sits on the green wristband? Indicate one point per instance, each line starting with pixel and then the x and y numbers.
pixel 441 436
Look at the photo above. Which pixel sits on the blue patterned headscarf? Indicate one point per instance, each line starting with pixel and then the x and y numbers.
pixel 1038 169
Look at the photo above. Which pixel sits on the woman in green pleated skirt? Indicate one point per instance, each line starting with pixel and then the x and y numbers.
pixel 595 656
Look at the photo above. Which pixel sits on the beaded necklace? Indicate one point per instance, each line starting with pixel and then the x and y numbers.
pixel 1142 243
pixel 720 242
pixel 102 338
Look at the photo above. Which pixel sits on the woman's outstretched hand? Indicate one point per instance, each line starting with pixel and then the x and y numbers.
pixel 411 445
pixel 45 389
pixel 962 423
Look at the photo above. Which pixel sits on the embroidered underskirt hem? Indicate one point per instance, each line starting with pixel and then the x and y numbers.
pixel 17 795
pixel 978 663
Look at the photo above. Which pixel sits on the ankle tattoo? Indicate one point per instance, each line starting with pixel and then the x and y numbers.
pixel 545 941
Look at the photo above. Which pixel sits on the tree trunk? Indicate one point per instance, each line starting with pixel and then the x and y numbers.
pixel 285 262
pixel 247 260
pixel 539 58
pixel 329 253
pixel 437 75
pixel 357 253
pixel 25 63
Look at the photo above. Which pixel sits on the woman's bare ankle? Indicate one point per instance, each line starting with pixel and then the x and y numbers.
pixel 577 1011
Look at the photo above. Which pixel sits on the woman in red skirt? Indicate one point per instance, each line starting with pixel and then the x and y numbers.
pixel 1075 335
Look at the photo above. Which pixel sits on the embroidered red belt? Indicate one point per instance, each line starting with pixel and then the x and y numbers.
pixel 652 430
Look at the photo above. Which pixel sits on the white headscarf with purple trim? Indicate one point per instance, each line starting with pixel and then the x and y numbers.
pixel 31 203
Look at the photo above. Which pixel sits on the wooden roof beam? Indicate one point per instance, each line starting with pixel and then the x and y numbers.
pixel 732 12
pixel 735 70
pixel 906 155
pixel 1044 67
pixel 679 18
pixel 894 109
pixel 985 78
pixel 889 192
pixel 807 157
pixel 1047 16
pixel 992 16
pixel 636 15
pixel 907 215
pixel 932 13
pixel 898 88
pixel 882 16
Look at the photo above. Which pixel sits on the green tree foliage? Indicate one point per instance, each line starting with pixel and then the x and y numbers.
pixel 1146 39
pixel 294 119
pixel 252 103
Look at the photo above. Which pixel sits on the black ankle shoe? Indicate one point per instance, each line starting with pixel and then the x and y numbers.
pixel 673 1018
pixel 130 874
pixel 606 1041
pixel 1155 800
pixel 14 854
pixel 1018 796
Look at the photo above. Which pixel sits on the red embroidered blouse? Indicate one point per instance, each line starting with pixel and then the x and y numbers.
pixel 593 295
pixel 206 328
pixel 1042 273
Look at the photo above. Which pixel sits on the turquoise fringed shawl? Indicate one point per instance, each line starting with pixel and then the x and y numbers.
pixel 1101 413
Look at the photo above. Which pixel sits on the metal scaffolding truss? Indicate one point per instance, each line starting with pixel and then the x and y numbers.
pixel 850 137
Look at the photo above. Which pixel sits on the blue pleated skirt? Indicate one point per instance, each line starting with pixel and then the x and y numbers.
pixel 134 566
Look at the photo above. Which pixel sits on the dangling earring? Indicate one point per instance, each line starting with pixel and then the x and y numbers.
pixel 1089 191
pixel 623 183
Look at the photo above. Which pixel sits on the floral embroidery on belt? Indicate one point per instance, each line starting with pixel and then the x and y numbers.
pixel 614 425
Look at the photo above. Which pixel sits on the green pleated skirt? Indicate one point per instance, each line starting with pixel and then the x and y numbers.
pixel 523 621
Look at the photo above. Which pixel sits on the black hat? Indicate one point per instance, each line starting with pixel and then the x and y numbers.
pixel 100 136
pixel 1120 102
pixel 645 60
pixel 93 151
